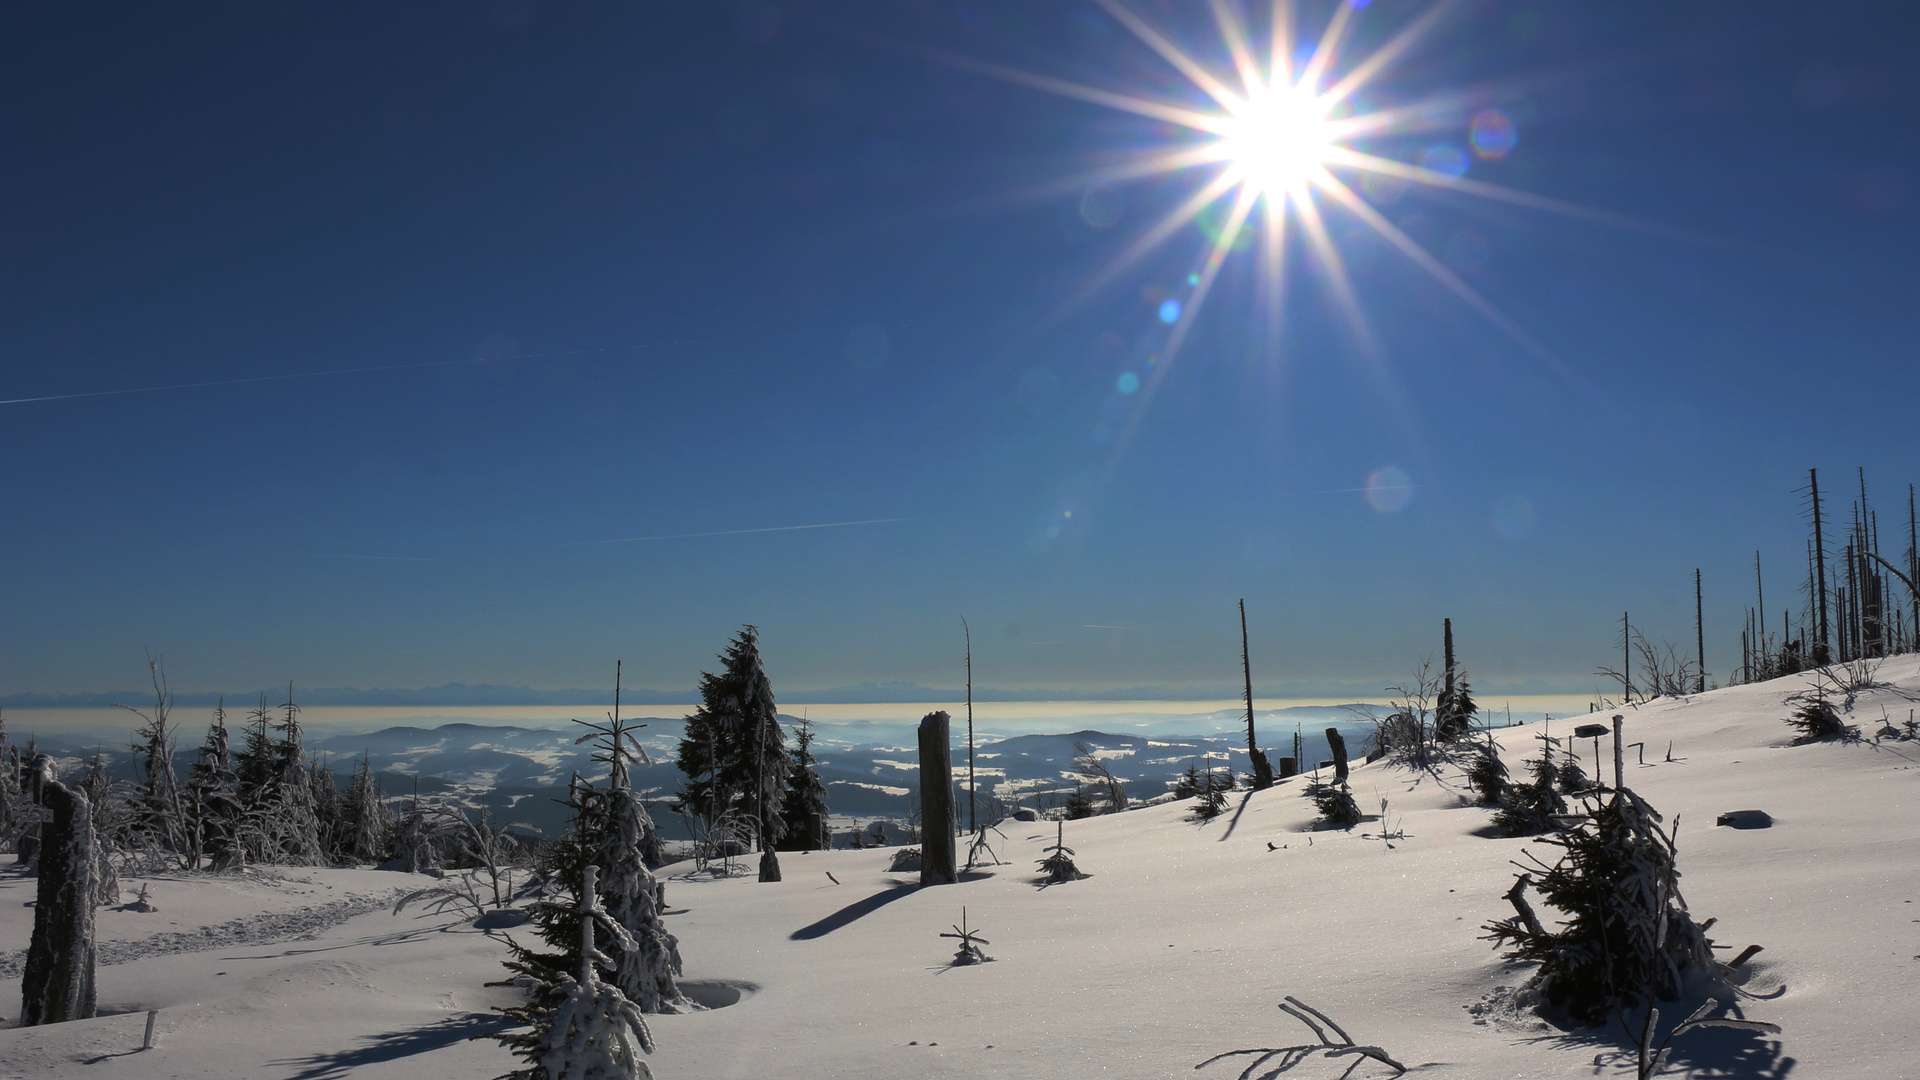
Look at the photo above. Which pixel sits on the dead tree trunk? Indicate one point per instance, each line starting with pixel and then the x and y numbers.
pixel 938 862
pixel 1338 745
pixel 57 984
pixel 1262 770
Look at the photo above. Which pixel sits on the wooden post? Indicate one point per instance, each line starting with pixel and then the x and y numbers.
pixel 1619 754
pixel 938 861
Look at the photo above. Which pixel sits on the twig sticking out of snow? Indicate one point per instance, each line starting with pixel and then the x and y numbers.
pixel 1293 1055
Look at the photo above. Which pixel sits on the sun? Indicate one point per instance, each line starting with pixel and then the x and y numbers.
pixel 1284 139
pixel 1278 140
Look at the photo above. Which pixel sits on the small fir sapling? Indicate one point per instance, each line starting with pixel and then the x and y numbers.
pixel 1571 778
pixel 1209 803
pixel 1814 716
pixel 970 942
pixel 1058 864
pixel 1337 806
pixel 1528 808
pixel 1486 773
pixel 1079 805
pixel 1627 938
pixel 580 1027
pixel 1189 783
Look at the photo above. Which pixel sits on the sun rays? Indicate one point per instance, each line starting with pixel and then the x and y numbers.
pixel 1281 146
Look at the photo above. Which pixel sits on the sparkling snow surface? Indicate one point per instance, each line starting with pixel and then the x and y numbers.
pixel 1177 948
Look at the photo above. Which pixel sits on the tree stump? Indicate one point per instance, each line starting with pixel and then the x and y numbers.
pixel 57 984
pixel 939 862
pixel 1288 767
pixel 1338 744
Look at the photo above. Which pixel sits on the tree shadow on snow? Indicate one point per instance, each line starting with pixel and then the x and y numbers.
pixel 1700 1054
pixel 856 910
pixel 861 908
pixel 396 1045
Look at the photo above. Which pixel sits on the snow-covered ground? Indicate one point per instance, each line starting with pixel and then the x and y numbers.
pixel 1177 948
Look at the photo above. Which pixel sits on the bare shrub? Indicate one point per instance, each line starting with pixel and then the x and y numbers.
pixel 1087 762
pixel 1658 670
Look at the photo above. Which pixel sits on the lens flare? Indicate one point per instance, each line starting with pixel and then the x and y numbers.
pixel 1388 490
pixel 1512 517
pixel 1492 134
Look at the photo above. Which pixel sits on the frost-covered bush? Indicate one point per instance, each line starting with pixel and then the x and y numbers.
pixel 905 860
pixel 1625 937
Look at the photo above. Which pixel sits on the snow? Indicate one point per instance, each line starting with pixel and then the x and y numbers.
pixel 1178 947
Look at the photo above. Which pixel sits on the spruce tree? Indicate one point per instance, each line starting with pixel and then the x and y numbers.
pixel 294 822
pixel 331 825
pixel 733 750
pixel 805 810
pixel 581 1027
pixel 367 817
pixel 606 844
pixel 214 789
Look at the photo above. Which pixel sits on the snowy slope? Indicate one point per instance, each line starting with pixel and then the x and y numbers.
pixel 1176 949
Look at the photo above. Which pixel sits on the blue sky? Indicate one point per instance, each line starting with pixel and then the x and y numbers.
pixel 650 270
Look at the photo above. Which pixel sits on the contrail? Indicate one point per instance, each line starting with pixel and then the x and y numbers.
pixel 735 532
pixel 379 558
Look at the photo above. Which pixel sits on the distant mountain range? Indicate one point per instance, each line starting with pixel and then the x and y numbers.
pixel 871 770
pixel 484 694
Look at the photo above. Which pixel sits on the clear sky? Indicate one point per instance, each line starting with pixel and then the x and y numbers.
pixel 692 270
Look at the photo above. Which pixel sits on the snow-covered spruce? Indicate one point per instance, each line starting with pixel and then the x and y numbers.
pixel 582 1028
pixel 610 835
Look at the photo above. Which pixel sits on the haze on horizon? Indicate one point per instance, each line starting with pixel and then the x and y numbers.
pixel 495 343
